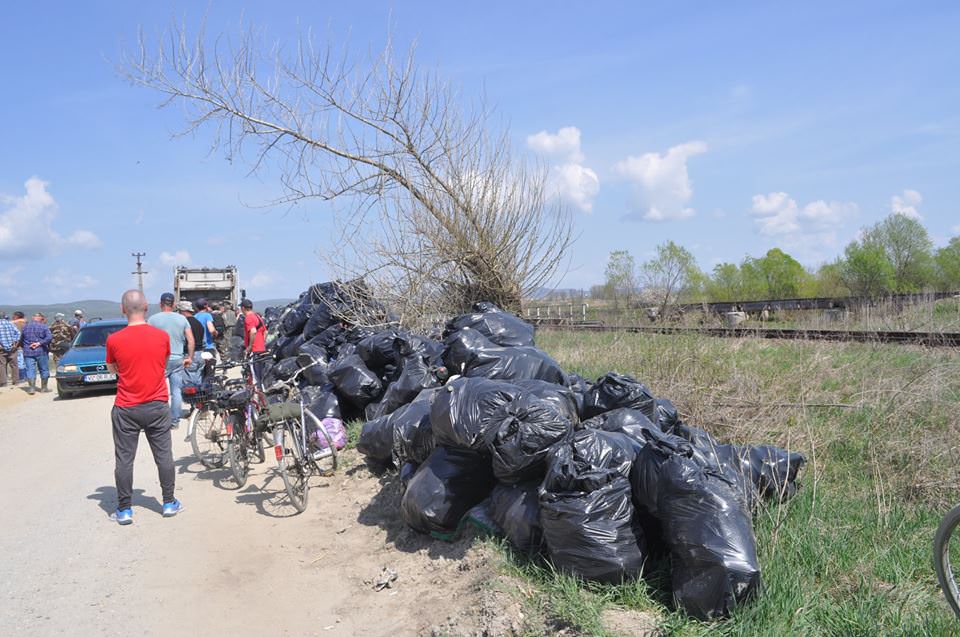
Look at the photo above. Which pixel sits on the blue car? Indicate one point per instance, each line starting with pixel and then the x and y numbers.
pixel 84 366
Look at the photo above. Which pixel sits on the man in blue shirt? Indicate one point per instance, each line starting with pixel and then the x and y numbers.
pixel 181 342
pixel 9 346
pixel 206 320
pixel 36 340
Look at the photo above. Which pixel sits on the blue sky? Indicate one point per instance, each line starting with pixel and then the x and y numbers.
pixel 729 128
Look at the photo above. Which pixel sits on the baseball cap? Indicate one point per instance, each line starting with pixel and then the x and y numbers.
pixel 185 306
pixel 247 303
pixel 58 315
pixel 200 303
pixel 166 299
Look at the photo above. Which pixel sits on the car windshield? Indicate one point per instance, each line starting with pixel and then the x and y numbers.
pixel 95 335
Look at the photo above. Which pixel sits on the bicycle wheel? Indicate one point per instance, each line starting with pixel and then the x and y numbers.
pixel 237 454
pixel 207 437
pixel 325 459
pixel 292 463
pixel 946 547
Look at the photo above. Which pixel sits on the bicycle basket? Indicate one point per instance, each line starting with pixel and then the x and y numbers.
pixel 193 394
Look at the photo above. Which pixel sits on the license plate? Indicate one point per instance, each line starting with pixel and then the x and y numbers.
pixel 99 378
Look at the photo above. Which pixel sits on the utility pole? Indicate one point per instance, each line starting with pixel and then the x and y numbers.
pixel 139 271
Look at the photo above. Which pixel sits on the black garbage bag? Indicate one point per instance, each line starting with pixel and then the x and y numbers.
pixel 380 349
pixel 407 472
pixel 321 401
pixel 665 415
pixel 515 508
pixel 415 376
pixel 235 347
pixel 480 516
pixel 520 442
pixel 579 387
pixel 768 472
pixel 443 489
pixel 376 441
pixel 559 396
pixel 271 315
pixel 320 319
pixel 613 391
pixel 431 350
pixel 586 509
pixel 705 524
pixel 502 328
pixel 293 320
pixel 354 381
pixel 281 371
pixel 328 339
pixel 313 360
pixel 356 333
pixel 290 347
pixel 471 354
pixel 466 408
pixel 412 433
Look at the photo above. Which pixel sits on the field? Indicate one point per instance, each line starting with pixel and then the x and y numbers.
pixel 851 553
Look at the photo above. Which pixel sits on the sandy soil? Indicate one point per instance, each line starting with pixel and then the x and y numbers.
pixel 235 562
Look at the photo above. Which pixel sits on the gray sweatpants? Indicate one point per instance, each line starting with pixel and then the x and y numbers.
pixel 153 419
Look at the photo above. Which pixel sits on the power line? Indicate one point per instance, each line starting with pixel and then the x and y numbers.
pixel 139 272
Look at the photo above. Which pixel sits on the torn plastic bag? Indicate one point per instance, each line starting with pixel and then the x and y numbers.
pixel 466 408
pixel 515 508
pixel 415 376
pixel 502 328
pixel 471 354
pixel 587 513
pixel 354 381
pixel 559 396
pixel 412 433
pixel 613 391
pixel 321 401
pixel 443 489
pixel 520 442
pixel 281 371
pixel 376 441
pixel 706 525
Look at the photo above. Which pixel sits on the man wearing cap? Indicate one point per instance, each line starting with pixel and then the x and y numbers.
pixel 62 336
pixel 36 340
pixel 254 333
pixel 77 321
pixel 206 320
pixel 181 351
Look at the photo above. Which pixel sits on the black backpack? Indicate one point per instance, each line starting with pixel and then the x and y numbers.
pixel 219 324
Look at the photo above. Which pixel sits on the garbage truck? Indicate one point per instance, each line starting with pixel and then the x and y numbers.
pixel 213 284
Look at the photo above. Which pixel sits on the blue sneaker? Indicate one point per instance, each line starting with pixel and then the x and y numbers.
pixel 170 509
pixel 123 516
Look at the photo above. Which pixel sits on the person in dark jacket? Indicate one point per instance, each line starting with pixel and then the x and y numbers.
pixel 36 339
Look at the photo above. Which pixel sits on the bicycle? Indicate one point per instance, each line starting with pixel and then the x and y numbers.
pixel 945 540
pixel 302 445
pixel 206 427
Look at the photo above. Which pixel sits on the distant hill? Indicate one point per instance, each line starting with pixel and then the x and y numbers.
pixel 94 308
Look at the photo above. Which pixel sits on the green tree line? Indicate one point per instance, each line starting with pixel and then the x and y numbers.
pixel 894 256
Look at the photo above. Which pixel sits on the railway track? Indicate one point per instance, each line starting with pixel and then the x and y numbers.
pixel 929 339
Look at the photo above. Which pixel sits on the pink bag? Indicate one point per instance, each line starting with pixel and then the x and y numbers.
pixel 335 429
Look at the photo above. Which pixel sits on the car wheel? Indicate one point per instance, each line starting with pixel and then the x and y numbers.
pixel 63 395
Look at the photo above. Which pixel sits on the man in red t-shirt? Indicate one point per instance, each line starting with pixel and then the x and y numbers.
pixel 254 335
pixel 137 354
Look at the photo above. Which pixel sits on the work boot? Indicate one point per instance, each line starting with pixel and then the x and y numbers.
pixel 43 386
pixel 31 387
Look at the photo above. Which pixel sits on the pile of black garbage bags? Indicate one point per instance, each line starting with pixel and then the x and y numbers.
pixel 603 478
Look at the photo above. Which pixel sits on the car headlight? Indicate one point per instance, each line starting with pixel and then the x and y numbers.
pixel 66 369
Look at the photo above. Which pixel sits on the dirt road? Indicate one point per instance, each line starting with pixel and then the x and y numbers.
pixel 235 562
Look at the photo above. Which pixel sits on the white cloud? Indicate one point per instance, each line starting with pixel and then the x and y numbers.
pixel 262 280
pixel 778 213
pixel 907 203
pixel 26 225
pixel 663 186
pixel 180 257
pixel 63 281
pixel 563 145
pixel 576 184
pixel 569 180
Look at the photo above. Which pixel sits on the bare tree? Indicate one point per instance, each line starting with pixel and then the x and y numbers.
pixel 440 213
pixel 670 275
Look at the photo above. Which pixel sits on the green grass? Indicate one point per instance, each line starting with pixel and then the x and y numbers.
pixel 851 553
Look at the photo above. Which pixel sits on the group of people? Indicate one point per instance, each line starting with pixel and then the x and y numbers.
pixel 25 347
pixel 151 358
